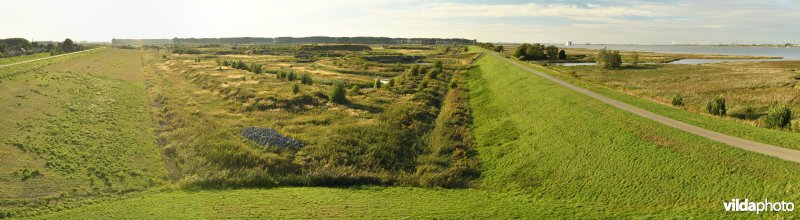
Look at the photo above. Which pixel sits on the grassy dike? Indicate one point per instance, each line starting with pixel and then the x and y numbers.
pixel 727 125
pixel 546 151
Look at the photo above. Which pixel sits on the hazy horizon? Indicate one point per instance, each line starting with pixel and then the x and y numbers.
pixel 596 22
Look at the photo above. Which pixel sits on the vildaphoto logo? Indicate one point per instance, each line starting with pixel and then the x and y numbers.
pixel 736 205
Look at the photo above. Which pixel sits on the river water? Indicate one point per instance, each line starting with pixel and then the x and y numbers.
pixel 790 53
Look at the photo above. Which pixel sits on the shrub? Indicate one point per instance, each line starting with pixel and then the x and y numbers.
pixel 390 84
pixel 306 79
pixel 677 100
pixel 778 117
pixel 355 89
pixel 255 68
pixel 291 76
pixel 717 106
pixel 796 126
pixel 378 83
pixel 608 59
pixel 338 93
pixel 433 73
pixel 438 65
pixel 414 70
pixel 295 88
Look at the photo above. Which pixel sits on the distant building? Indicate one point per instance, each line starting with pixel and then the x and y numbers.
pixel 568 43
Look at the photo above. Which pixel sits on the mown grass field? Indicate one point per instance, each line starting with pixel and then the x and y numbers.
pixel 546 151
pixel 74 128
pixel 15 59
pixel 750 88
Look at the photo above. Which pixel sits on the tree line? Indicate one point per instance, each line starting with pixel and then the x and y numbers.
pixel 21 46
pixel 539 52
pixel 297 40
pixel 492 47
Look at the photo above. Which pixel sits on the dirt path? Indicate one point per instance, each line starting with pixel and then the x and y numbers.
pixel 775 151
pixel 44 58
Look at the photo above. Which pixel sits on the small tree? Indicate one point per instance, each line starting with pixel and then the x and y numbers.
pixel 68 46
pixel 338 93
pixel 716 106
pixel 562 55
pixel 778 117
pixel 295 88
pixel 520 52
pixel 498 48
pixel 552 52
pixel 378 83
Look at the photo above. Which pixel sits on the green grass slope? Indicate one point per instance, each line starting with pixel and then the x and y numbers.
pixel 71 132
pixel 546 152
pixel 725 125
pixel 9 60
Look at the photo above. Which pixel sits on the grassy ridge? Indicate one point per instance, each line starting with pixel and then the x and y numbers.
pixel 15 59
pixel 73 132
pixel 724 125
pixel 542 138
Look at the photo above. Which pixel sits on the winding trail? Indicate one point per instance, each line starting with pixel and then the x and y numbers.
pixel 771 150
pixel 44 58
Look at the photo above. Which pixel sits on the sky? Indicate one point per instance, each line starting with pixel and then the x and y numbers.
pixel 618 22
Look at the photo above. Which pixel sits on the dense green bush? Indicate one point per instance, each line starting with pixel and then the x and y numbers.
pixel 338 93
pixel 535 52
pixel 778 117
pixel 355 89
pixel 390 84
pixel 677 100
pixel 377 83
pixel 295 88
pixel 716 106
